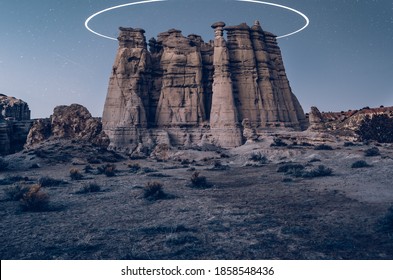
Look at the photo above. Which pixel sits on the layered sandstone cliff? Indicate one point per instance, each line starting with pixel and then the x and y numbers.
pixel 14 124
pixel 188 92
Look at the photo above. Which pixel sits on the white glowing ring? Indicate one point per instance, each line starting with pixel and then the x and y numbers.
pixel 152 1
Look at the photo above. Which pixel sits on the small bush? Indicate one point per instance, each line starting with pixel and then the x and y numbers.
pixel 323 147
pixel 277 142
pixel 320 171
pixel 360 164
pixel 16 192
pixel 88 169
pixel 372 152
pixel 9 180
pixel 35 199
pixel 90 188
pixel 290 167
pixel 3 164
pixel 198 181
pixel 258 157
pixel 349 144
pixel 108 169
pixel 153 191
pixel 134 167
pixel 49 182
pixel 75 174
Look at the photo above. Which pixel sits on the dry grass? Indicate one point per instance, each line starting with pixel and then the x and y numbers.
pixel 35 199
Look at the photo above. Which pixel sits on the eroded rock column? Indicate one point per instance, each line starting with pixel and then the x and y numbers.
pixel 125 116
pixel 224 122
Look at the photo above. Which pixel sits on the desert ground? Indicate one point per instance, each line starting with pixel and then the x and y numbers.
pixel 244 209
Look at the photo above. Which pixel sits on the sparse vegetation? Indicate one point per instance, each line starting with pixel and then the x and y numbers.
pixel 9 180
pixel 372 152
pixel 319 171
pixel 323 147
pixel 89 188
pixel 349 144
pixel 360 164
pixel 198 181
pixel 258 158
pixel 153 191
pixel 298 170
pixel 378 128
pixel 75 174
pixel 108 169
pixel 278 142
pixel 16 192
pixel 35 199
pixel 50 182
pixel 134 167
pixel 88 169
pixel 290 167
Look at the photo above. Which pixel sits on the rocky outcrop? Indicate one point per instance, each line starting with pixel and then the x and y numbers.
pixel 197 92
pixel 72 122
pixel 14 124
pixel 12 108
pixel 344 123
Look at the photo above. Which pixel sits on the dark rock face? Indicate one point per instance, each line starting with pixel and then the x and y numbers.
pixel 13 109
pixel 72 122
pixel 14 124
pixel 197 92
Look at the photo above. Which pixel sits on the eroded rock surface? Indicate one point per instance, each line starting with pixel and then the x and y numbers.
pixel 198 92
pixel 72 122
pixel 14 124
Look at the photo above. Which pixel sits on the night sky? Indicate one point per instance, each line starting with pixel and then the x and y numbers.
pixel 342 61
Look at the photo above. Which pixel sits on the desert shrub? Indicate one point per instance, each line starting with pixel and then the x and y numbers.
pixel 9 180
pixel 75 174
pixel 198 181
pixel 323 147
pixel 3 164
pixel 89 188
pixel 258 157
pixel 277 142
pixel 134 167
pixel 320 171
pixel 88 169
pixel 372 152
pixel 16 192
pixel 290 167
pixel 49 182
pixel 108 169
pixel 360 164
pixel 35 199
pixel 153 191
pixel 378 128
pixel 349 144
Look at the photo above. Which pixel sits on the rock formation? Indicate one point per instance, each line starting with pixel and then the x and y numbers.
pixel 72 122
pixel 12 108
pixel 188 92
pixel 343 123
pixel 14 124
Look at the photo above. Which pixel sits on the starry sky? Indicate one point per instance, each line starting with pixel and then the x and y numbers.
pixel 342 61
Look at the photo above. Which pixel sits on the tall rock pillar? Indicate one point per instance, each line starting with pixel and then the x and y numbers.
pixel 125 117
pixel 224 122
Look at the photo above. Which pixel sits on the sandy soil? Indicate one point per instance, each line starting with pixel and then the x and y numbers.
pixel 248 212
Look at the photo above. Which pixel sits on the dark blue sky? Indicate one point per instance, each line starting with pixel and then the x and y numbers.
pixel 343 60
